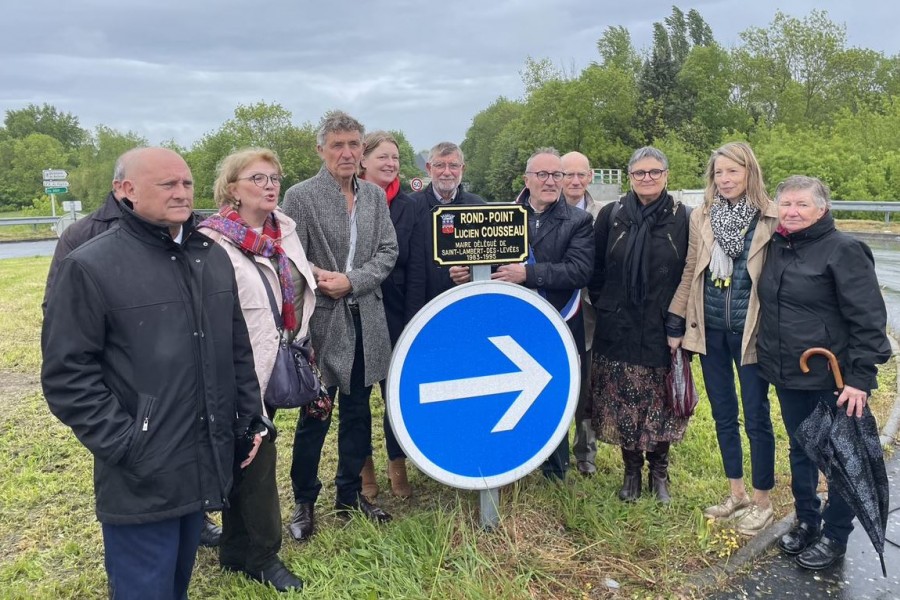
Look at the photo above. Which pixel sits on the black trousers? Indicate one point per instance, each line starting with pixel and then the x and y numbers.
pixel 796 405
pixel 251 526
pixel 391 444
pixel 354 437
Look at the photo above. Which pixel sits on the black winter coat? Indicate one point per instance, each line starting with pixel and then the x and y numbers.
pixel 147 359
pixel 79 232
pixel 394 288
pixel 818 288
pixel 429 280
pixel 563 253
pixel 625 332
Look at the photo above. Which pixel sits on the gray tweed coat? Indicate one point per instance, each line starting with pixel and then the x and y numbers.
pixel 320 210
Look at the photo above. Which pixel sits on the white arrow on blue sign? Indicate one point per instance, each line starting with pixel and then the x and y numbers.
pixel 483 385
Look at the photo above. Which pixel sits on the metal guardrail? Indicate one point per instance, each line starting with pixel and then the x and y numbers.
pixel 29 220
pixel 867 206
pixel 53 220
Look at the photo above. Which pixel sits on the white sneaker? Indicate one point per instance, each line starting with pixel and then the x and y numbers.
pixel 730 508
pixel 755 520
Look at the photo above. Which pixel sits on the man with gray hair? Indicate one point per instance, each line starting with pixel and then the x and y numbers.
pixel 445 166
pixel 91 225
pixel 560 261
pixel 577 176
pixel 345 227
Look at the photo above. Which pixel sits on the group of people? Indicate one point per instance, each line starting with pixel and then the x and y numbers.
pixel 161 331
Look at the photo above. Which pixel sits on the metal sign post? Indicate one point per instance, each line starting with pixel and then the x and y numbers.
pixel 482 387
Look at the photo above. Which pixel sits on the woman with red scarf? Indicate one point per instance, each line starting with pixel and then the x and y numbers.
pixel 380 165
pixel 267 257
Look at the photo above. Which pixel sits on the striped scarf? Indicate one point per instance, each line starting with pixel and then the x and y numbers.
pixel 230 224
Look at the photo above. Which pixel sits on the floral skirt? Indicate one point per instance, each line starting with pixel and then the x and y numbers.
pixel 629 405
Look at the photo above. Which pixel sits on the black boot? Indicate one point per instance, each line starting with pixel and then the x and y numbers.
pixel 658 478
pixel 631 486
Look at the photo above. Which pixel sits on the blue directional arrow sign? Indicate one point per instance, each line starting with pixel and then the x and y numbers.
pixel 483 385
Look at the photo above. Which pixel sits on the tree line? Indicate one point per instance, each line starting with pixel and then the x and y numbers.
pixel 794 90
pixel 40 137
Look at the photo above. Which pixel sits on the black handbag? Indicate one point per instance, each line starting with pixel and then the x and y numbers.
pixel 294 382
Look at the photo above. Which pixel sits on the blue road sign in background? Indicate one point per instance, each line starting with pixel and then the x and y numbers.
pixel 483 385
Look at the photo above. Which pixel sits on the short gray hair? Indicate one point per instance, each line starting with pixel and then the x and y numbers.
pixel 648 152
pixel 121 166
pixel 820 193
pixel 446 149
pixel 544 150
pixel 337 120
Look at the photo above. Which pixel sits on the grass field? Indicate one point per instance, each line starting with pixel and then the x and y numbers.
pixel 569 541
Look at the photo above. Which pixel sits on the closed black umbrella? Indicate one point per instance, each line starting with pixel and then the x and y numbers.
pixel 848 450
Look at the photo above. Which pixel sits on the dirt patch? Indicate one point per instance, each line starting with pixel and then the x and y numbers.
pixel 15 387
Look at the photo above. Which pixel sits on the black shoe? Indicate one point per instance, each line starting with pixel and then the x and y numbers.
pixel 278 576
pixel 303 522
pixel 822 554
pixel 210 534
pixel 369 510
pixel 586 469
pixel 799 538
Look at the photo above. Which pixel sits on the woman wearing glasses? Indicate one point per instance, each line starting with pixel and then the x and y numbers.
pixel 641 243
pixel 262 244
pixel 715 313
pixel 380 164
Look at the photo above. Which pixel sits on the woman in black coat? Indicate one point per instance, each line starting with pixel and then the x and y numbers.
pixel 641 245
pixel 380 165
pixel 818 288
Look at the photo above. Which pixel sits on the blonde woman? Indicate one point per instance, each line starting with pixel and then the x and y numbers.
pixel 715 313
pixel 261 241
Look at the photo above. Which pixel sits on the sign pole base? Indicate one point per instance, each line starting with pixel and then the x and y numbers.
pixel 489 501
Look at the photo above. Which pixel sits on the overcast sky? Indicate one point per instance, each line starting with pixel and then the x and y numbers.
pixel 170 69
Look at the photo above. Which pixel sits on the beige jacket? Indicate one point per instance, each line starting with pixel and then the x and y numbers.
pixel 688 299
pixel 255 300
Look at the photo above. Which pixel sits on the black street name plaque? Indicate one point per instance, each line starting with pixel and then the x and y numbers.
pixel 480 235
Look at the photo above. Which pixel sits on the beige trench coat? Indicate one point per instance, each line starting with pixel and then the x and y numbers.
pixel 688 299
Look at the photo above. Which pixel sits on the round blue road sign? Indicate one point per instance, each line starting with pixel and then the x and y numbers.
pixel 483 385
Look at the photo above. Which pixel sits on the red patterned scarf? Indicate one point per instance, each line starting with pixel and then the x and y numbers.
pixel 230 224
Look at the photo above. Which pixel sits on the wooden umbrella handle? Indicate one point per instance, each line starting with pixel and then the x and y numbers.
pixel 832 359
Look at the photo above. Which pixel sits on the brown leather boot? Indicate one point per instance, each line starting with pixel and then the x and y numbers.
pixel 369 483
pixel 397 476
pixel 631 486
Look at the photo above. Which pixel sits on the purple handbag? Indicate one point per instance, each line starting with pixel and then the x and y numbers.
pixel 294 382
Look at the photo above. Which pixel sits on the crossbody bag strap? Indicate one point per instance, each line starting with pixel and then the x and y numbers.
pixel 279 323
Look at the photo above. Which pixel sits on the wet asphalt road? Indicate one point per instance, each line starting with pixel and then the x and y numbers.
pixel 857 577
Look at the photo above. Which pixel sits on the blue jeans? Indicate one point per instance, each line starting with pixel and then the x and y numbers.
pixel 354 437
pixel 151 561
pixel 796 405
pixel 723 349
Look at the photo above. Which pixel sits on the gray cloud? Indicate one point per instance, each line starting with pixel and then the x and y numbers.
pixel 176 70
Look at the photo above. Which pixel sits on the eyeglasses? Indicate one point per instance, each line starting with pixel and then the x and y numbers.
pixel 543 175
pixel 653 173
pixel 578 174
pixel 439 166
pixel 261 179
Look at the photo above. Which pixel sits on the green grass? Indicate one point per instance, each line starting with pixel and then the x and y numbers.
pixel 554 541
